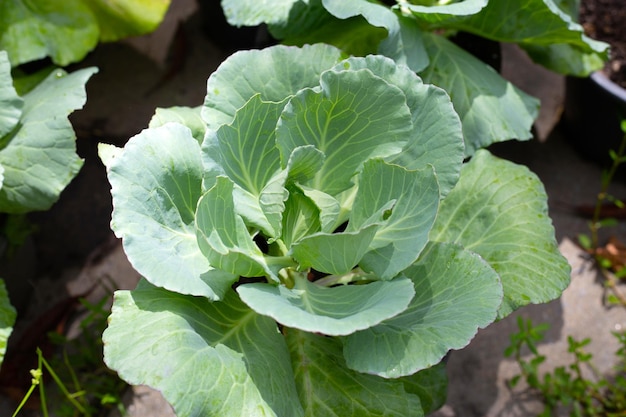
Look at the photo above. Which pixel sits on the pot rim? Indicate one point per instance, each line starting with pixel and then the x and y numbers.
pixel 609 86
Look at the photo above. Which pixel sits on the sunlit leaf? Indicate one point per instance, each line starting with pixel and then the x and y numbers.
pixel 234 357
pixel 39 154
pixel 334 311
pixel 157 178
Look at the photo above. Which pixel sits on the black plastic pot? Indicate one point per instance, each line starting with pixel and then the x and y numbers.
pixel 593 110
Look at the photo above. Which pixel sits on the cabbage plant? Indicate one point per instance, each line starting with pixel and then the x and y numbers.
pixel 418 33
pixel 313 243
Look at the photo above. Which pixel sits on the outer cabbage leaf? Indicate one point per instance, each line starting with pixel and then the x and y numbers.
pixel 430 385
pixel 236 360
pixel 326 387
pixel 67 30
pixel 457 292
pixel 499 210
pixel 536 23
pixel 354 116
pixel 437 138
pixel 310 22
pixel 400 239
pixel 333 311
pixel 403 43
pixel 10 103
pixel 491 108
pixel 279 72
pixel 156 181
pixel 566 59
pixel 7 319
pixel 39 154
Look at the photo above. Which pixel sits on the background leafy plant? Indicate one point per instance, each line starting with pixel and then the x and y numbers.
pixel 418 34
pixel 37 143
pixel 315 221
pixel 66 31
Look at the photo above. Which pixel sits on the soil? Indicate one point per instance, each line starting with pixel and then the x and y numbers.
pixel 605 20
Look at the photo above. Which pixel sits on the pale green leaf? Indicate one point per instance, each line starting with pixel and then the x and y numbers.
pixel 491 108
pixel 255 12
pixel 107 153
pixel 326 387
pixel 354 116
pixel 403 235
pixel 10 103
pixel 437 138
pixel 7 319
pixel 457 292
pixel 39 155
pixel 279 72
pixel 442 14
pixel 407 47
pixel 156 181
pixel 301 217
pixel 224 239
pixel 235 360
pixel 187 116
pixel 335 311
pixel 245 151
pixel 333 253
pixel 329 208
pixel 499 210
pixel 304 162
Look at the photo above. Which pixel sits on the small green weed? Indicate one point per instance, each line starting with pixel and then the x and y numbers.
pixel 83 385
pixel 578 388
pixel 610 258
